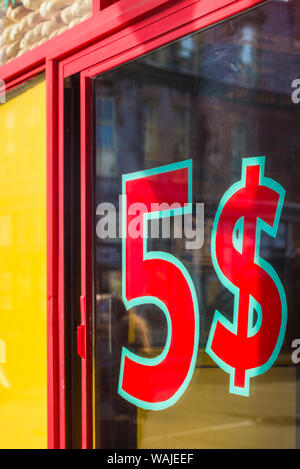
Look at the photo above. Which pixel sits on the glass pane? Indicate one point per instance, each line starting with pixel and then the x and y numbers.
pixel 23 300
pixel 27 24
pixel 221 108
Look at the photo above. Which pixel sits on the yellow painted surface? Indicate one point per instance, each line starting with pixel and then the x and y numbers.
pixel 23 353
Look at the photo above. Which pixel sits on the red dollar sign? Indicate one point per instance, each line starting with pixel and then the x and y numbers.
pixel 245 347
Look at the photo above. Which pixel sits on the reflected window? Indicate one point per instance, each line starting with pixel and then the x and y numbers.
pixel 106 135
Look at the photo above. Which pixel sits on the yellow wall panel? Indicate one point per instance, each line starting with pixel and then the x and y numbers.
pixel 23 352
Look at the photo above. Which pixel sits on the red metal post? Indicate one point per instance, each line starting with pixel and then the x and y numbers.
pixel 52 356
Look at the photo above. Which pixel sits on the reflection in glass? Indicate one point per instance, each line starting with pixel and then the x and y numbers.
pixel 217 96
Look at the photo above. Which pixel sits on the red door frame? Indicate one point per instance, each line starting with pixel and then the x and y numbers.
pixel 111 37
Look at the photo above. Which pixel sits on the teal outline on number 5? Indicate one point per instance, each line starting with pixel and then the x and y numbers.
pixel 271 231
pixel 153 300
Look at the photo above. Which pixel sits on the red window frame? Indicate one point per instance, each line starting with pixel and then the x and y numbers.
pixel 112 36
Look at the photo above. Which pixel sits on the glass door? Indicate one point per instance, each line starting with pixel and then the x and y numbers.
pixel 192 233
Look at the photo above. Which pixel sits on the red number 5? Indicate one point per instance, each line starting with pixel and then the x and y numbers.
pixel 159 278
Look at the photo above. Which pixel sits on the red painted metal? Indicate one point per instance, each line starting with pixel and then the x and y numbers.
pixel 154 31
pixel 96 6
pixel 20 66
pixel 106 3
pixel 102 23
pixel 24 77
pixel 81 334
pixel 107 21
pixel 52 355
pixel 60 231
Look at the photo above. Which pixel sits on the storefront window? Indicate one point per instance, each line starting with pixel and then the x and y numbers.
pixel 26 24
pixel 221 107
